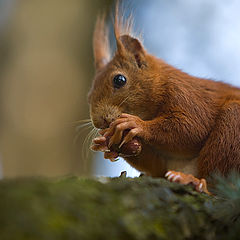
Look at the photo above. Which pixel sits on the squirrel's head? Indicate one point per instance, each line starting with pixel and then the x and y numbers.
pixel 121 84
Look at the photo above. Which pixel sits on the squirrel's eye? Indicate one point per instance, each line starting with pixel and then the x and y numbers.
pixel 119 81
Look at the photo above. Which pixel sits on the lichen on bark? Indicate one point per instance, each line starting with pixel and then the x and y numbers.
pixel 118 208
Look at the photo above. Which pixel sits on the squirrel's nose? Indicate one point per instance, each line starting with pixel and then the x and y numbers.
pixel 102 122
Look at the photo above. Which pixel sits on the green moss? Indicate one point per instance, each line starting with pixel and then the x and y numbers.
pixel 121 208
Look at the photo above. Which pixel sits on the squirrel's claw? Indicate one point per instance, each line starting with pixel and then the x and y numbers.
pixel 118 131
pixel 100 144
pixel 200 185
pixel 125 122
pixel 130 135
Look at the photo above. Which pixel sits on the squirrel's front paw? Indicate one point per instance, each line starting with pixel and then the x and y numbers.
pixel 200 185
pixel 101 144
pixel 131 125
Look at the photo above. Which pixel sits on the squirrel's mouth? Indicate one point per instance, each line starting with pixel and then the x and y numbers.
pixel 102 122
pixel 103 115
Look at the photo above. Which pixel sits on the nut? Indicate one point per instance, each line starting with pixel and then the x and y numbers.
pixel 132 148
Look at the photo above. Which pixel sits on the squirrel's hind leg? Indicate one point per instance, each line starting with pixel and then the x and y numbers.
pixel 200 185
pixel 221 151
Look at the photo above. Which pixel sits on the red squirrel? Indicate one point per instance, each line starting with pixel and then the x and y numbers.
pixel 184 127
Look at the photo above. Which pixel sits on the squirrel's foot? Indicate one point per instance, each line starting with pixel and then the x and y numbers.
pixel 125 122
pixel 200 185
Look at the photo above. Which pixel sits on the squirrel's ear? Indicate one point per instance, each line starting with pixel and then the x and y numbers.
pixel 101 45
pixel 127 45
pixel 135 48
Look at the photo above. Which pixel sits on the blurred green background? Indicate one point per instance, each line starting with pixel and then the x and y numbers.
pixel 46 69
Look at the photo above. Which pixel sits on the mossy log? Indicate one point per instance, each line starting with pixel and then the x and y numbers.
pixel 118 208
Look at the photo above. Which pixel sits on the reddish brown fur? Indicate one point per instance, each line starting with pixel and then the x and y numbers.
pixel 101 45
pixel 182 117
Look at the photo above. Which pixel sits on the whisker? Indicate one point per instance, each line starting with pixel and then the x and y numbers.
pixel 96 132
pixel 84 154
pixel 85 146
pixel 124 100
pixel 83 125
pixel 79 131
pixel 83 120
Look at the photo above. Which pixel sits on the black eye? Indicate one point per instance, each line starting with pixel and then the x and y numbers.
pixel 119 81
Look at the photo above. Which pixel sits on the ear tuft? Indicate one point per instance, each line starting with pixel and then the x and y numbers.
pixel 101 46
pixel 127 42
pixel 134 47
